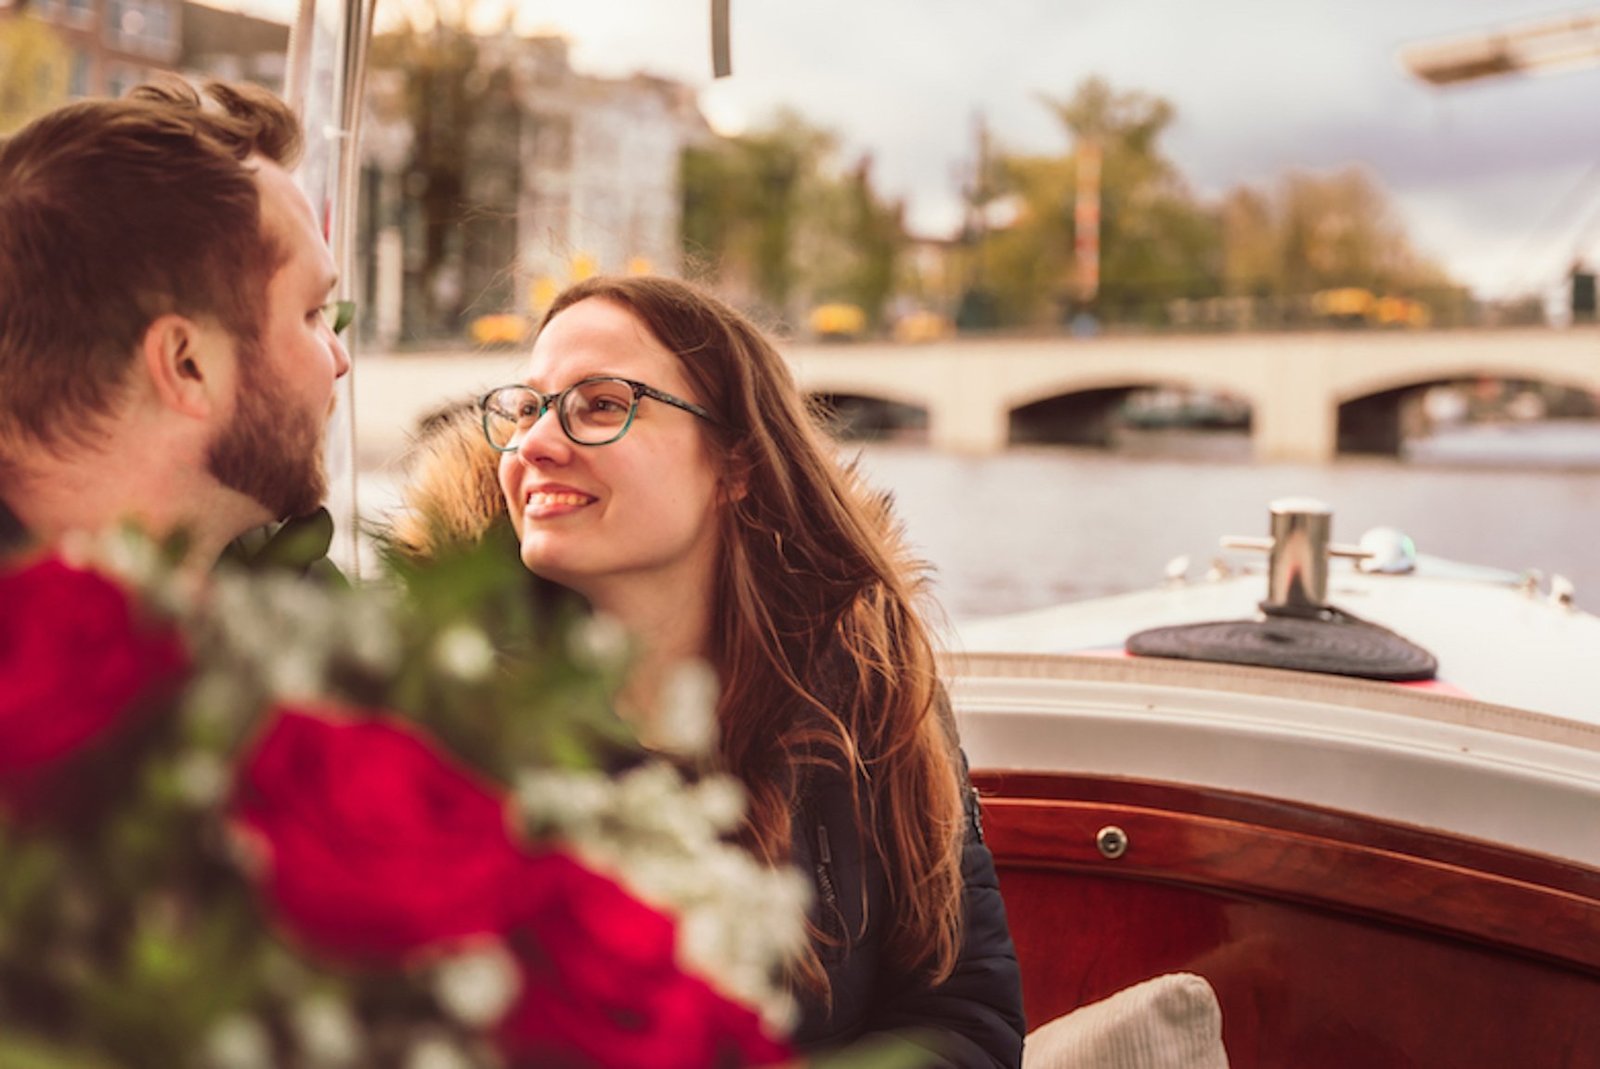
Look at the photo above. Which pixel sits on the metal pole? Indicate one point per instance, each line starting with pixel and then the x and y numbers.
pixel 721 49
pixel 355 34
pixel 297 74
pixel 332 173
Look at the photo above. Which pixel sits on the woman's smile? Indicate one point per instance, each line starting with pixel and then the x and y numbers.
pixel 549 500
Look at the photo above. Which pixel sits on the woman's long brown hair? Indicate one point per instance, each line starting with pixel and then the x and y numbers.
pixel 821 653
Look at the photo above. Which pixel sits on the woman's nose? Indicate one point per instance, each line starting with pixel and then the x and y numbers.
pixel 545 440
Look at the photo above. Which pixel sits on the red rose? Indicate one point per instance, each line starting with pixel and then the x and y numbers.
pixel 75 663
pixel 378 846
pixel 601 987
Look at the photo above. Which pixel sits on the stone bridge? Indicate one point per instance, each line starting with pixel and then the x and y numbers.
pixel 1306 392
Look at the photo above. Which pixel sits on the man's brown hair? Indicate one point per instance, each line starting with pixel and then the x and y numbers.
pixel 115 212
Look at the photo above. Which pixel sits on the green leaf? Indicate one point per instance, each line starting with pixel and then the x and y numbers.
pixel 903 1050
pixel 25 1052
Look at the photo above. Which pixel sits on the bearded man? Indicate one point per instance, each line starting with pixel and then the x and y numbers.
pixel 168 342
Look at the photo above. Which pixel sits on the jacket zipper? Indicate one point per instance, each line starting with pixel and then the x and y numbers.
pixel 831 919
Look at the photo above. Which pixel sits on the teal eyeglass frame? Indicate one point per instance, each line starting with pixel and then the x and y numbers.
pixel 557 401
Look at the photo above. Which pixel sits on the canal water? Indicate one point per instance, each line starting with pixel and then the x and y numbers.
pixel 1037 526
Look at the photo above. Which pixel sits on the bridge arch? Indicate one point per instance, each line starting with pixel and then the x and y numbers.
pixel 1093 409
pixel 856 415
pixel 1412 379
pixel 1133 379
pixel 1390 411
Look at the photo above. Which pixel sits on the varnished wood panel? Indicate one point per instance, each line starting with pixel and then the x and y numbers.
pixel 1330 943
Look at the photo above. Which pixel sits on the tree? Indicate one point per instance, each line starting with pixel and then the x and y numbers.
pixel 742 198
pixel 1028 261
pixel 1250 244
pixel 1326 231
pixel 1155 242
pixel 775 224
pixel 852 244
pixel 448 99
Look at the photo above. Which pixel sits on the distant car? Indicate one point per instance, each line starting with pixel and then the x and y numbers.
pixel 1346 305
pixel 922 326
pixel 1359 307
pixel 838 322
pixel 503 328
pixel 1401 312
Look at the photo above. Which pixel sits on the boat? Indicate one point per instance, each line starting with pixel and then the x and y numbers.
pixel 1392 871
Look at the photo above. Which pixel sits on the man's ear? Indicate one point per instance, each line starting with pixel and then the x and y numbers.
pixel 183 365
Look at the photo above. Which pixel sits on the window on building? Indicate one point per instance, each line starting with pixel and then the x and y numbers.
pixel 120 78
pixel 78 74
pixel 145 26
pixel 552 140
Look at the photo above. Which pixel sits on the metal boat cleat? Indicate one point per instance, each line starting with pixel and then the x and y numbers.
pixel 1562 591
pixel 1298 629
pixel 1298 553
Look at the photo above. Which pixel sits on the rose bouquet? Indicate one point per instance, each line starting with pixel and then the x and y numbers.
pixel 254 821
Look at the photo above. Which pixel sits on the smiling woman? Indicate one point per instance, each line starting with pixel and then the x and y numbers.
pixel 684 491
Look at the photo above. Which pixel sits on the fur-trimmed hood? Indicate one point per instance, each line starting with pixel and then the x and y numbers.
pixel 452 494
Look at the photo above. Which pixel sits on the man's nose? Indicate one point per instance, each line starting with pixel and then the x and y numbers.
pixel 341 358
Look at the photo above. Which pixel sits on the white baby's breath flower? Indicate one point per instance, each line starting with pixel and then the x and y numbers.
pixel 121 552
pixel 328 1032
pixel 202 778
pixel 296 674
pixel 371 634
pixel 478 987
pixel 463 650
pixel 722 801
pixel 570 803
pixel 238 1042
pixel 686 722
pixel 436 1052
pixel 599 641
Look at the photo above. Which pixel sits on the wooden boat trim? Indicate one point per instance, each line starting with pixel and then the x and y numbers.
pixel 1550 911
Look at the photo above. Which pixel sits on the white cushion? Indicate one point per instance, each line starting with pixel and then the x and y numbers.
pixel 1170 1022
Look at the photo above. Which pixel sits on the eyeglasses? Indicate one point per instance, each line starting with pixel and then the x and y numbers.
pixel 594 411
pixel 338 315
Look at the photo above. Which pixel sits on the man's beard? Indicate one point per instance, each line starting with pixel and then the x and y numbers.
pixel 272 450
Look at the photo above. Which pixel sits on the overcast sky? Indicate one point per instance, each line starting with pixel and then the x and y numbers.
pixel 1498 180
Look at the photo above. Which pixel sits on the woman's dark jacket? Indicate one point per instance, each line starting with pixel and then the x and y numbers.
pixel 974 1017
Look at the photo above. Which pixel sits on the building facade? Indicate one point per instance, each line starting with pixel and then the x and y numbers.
pixel 536 176
pixel 562 175
pixel 56 50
